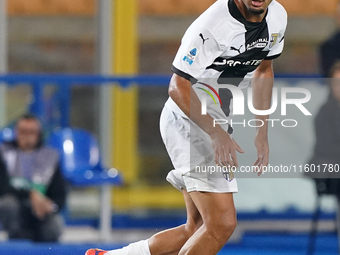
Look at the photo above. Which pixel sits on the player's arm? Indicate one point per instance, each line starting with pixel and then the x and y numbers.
pixel 262 85
pixel 182 93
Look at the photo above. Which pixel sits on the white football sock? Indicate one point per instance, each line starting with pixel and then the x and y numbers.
pixel 138 248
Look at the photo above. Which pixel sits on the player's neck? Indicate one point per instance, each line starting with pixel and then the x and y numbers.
pixel 248 15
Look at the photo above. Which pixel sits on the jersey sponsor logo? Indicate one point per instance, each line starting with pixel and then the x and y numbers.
pixel 258 44
pixel 204 39
pixel 226 62
pixel 223 63
pixel 235 49
pixel 190 57
pixel 254 62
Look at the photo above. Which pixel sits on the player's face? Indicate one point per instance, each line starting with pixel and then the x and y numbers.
pixel 257 7
pixel 28 134
pixel 336 85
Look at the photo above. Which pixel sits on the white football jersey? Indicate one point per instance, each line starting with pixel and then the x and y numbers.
pixel 222 45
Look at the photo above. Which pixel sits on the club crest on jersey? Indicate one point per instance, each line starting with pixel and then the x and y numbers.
pixel 190 57
pixel 273 40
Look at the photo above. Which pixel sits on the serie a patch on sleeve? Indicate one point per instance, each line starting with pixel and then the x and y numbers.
pixel 190 57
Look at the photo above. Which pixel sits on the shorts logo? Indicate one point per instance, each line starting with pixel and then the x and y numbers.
pixel 191 56
pixel 273 40
pixel 228 175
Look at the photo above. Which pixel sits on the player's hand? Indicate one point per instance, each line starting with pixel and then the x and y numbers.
pixel 261 144
pixel 41 206
pixel 225 149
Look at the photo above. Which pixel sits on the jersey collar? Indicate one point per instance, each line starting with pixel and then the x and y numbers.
pixel 236 14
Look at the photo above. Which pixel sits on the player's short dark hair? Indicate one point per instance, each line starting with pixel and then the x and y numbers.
pixel 335 68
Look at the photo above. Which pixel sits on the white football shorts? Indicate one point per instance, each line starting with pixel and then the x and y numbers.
pixel 192 156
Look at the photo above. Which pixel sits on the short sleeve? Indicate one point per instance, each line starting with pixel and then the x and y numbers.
pixel 198 50
pixel 277 48
pixel 277 40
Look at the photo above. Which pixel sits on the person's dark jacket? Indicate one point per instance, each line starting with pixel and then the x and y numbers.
pixel 330 53
pixel 327 147
pixel 56 190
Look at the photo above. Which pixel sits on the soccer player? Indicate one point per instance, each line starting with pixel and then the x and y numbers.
pixel 234 40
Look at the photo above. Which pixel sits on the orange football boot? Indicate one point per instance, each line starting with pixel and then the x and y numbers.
pixel 95 252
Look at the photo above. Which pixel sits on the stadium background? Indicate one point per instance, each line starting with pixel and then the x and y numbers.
pixel 130 37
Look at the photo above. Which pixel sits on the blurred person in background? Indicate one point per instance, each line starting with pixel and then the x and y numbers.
pixel 330 49
pixel 327 146
pixel 32 188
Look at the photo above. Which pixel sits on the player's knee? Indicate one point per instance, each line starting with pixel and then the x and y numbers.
pixel 231 224
pixel 221 230
pixel 192 225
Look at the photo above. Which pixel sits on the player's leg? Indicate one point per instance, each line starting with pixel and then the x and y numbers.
pixel 219 221
pixel 171 241
pixel 167 242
